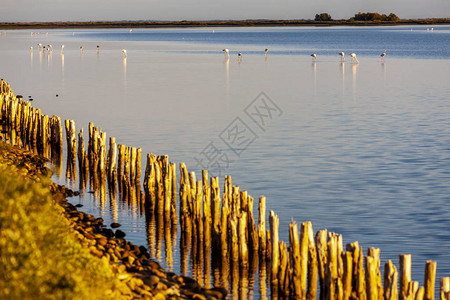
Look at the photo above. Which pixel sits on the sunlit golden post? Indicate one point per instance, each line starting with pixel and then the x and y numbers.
pixel 429 280
pixel 390 281
pixel 294 247
pixel 322 259
pixel 71 149
pixel 275 254
pixel 445 288
pixel 405 274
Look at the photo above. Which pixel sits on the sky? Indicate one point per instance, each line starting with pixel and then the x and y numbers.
pixel 177 10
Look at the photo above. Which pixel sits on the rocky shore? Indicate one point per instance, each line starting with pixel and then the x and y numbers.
pixel 141 277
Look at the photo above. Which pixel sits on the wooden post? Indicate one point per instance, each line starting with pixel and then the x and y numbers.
pixel 173 184
pixel 133 153
pixel 252 231
pixel 295 260
pixel 243 248
pixel 304 251
pixel 348 272
pixel 215 190
pixel 420 295
pixel 228 191
pixel 262 226
pixel 311 293
pixel 390 281
pixel 206 198
pixel 405 274
pixel 411 292
pixel 283 272
pixel 102 153
pixel 375 254
pixel 445 288
pixel 429 281
pixel 138 165
pixel 234 238
pixel 322 259
pixel 275 261
pixel 159 188
pixel 332 268
pixel 184 191
pixel 112 158
pixel 358 281
pixel 371 278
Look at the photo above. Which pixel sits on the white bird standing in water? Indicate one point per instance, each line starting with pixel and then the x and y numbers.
pixel 266 52
pixel 40 46
pixel 383 55
pixel 124 53
pixel 226 53
pixel 314 56
pixel 342 54
pixel 239 57
pixel 81 49
pixel 98 49
pixel 62 49
pixel 354 59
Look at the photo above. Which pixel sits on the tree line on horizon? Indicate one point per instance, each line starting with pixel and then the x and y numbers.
pixel 368 16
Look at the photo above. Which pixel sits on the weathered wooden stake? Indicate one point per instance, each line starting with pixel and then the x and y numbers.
pixel 429 280
pixel 390 281
pixel 405 274
pixel 275 261
pixel 445 288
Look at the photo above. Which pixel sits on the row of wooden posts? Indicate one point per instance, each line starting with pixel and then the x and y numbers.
pixel 223 223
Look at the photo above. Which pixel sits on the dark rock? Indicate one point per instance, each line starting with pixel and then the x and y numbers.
pixel 120 234
pixel 115 225
pixel 79 205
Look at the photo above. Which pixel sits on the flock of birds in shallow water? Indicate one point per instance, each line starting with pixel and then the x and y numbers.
pixel 49 49
pixel 314 56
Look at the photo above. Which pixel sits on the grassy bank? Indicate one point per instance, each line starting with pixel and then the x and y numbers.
pixel 40 254
pixel 228 23
pixel 50 250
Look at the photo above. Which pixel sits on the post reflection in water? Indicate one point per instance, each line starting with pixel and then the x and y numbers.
pixel 314 68
pixel 354 69
pixel 383 70
pixel 124 64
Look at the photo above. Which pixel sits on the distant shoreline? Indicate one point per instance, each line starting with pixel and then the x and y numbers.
pixel 232 23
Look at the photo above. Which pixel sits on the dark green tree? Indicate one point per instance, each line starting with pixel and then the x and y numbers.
pixel 323 17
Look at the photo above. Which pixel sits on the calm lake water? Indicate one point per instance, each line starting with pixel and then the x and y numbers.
pixel 360 149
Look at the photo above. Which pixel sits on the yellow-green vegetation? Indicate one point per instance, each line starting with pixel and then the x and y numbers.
pixel 40 255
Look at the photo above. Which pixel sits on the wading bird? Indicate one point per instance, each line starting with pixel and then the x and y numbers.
pixel 383 55
pixel 239 57
pixel 62 49
pixel 226 53
pixel 40 46
pixel 124 53
pixel 98 49
pixel 353 58
pixel 314 56
pixel 266 52
pixel 81 49
pixel 342 54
